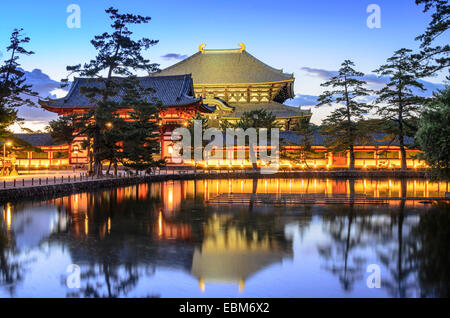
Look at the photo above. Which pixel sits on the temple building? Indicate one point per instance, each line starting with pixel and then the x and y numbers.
pixel 52 154
pixel 175 92
pixel 234 81
pixel 220 85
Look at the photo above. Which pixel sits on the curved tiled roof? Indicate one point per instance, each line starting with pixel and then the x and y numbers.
pixel 38 139
pixel 170 90
pixel 277 109
pixel 318 139
pixel 226 66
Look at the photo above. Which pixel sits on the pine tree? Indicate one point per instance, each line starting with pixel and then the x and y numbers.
pixel 118 55
pixel 344 127
pixel 141 133
pixel 433 135
pixel 13 90
pixel 305 131
pixel 258 118
pixel 437 57
pixel 63 128
pixel 398 105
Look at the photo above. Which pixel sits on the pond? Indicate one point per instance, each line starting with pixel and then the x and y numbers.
pixel 231 238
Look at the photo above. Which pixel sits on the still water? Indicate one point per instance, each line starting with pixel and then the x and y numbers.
pixel 230 238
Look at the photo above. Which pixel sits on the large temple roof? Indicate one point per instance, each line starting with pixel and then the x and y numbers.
pixel 170 90
pixel 226 67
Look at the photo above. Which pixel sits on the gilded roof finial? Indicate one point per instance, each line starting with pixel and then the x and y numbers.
pixel 242 45
pixel 201 47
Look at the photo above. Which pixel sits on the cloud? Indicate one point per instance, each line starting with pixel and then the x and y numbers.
pixel 321 73
pixel 42 83
pixel 174 56
pixel 302 100
pixel 37 117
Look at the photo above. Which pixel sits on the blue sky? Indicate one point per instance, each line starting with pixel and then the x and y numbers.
pixel 303 37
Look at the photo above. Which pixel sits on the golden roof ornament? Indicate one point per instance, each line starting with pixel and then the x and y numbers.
pixel 201 48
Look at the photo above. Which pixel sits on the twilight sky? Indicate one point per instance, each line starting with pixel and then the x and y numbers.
pixel 307 38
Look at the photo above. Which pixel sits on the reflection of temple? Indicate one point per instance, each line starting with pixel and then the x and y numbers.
pixel 232 255
pixel 168 225
pixel 119 237
pixel 221 248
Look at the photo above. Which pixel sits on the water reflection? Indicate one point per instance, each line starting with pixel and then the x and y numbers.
pixel 175 239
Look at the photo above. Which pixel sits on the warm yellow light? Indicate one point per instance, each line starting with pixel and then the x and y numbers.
pixel 8 216
pixel 201 284
pixel 109 125
pixel 160 227
pixel 9 143
pixel 170 149
pixel 86 225
pixel 241 285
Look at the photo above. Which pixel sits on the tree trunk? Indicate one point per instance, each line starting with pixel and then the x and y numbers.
pixel 91 159
pixel 253 158
pixel 109 168
pixel 403 153
pixel 352 157
pixel 401 132
pixel 95 147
